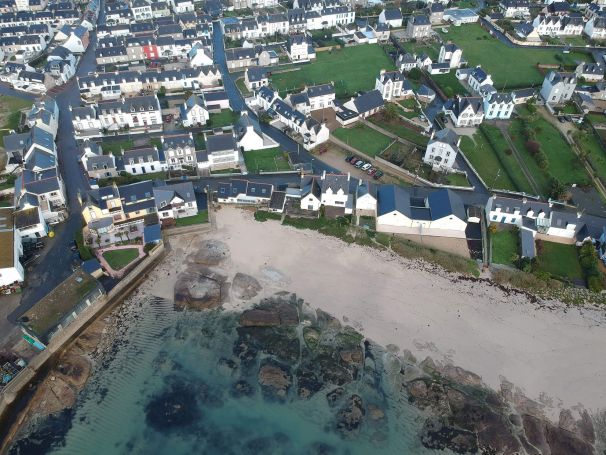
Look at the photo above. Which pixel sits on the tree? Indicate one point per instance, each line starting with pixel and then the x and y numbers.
pixel 557 190
pixel 390 112
pixel 265 118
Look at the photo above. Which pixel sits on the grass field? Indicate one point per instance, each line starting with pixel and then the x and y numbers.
pixel 510 67
pixel 596 155
pixel 351 69
pixel 399 129
pixel 225 118
pixel 201 217
pixel 505 246
pixel 486 162
pixel 10 113
pixel 269 160
pixel 560 260
pixel 449 84
pixel 508 162
pixel 118 259
pixel 563 163
pixel 363 138
pixel 116 147
pixel 541 177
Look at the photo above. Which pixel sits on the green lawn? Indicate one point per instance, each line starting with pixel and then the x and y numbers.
pixel 118 259
pixel 225 118
pixel 199 141
pixel 242 86
pixel 563 163
pixel 116 147
pixel 398 128
pixel 560 260
pixel 541 177
pixel 596 119
pixel 449 84
pixel 363 138
pixel 269 160
pixel 352 69
pixel 432 50
pixel 486 162
pixel 10 113
pixel 505 246
pixel 125 179
pixel 508 161
pixel 201 217
pixel 510 66
pixel 588 142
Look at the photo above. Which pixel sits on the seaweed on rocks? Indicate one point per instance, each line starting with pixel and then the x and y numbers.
pixel 176 408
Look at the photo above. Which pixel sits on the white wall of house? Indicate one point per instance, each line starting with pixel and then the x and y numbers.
pixel 310 202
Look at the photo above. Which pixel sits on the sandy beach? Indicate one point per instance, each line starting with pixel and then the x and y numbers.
pixel 550 352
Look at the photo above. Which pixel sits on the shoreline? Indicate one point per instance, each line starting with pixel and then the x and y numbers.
pixel 403 305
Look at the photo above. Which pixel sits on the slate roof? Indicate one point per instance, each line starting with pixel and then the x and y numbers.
pixel 320 90
pixel 335 182
pixel 163 195
pixel 220 143
pixel 310 185
pixel 446 136
pixel 392 14
pixel 392 198
pixel 420 20
pixel 443 203
pixel 368 101
pixel 26 217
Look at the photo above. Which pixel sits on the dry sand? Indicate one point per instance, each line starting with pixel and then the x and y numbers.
pixel 554 355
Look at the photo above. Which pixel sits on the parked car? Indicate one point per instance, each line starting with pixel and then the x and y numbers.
pixel 349 158
pixel 360 163
pixel 354 160
pixel 377 175
pixel 366 167
pixel 372 171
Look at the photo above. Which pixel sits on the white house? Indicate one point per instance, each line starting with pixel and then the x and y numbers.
pixel 477 78
pixel 335 191
pixel 591 72
pixel 255 77
pixel 499 106
pixel 179 150
pixel 515 8
pixel 450 53
pixel 558 87
pixel 391 17
pixel 11 270
pixel 596 28
pixel 137 112
pixel 406 62
pixel 238 191
pixel 250 137
pixel 320 96
pixel 440 214
pixel 199 55
pixel 265 97
pixel 366 104
pixel 193 111
pixel 366 199
pixel 390 83
pixel 538 217
pixel 30 224
pixel 222 150
pixel 174 201
pixel 442 150
pixel 311 193
pixel 143 160
pixel 465 111
pixel 299 48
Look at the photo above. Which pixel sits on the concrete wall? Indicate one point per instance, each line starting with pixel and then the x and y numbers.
pixel 62 339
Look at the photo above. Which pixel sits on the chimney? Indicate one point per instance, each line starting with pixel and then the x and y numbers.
pixel 524 200
pixel 348 176
pixel 579 215
pixel 323 175
pixel 382 72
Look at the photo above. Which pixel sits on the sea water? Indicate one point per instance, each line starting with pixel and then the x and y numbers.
pixel 181 355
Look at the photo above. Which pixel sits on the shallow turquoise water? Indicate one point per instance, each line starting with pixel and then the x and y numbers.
pixel 168 350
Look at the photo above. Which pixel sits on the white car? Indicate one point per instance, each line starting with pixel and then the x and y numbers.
pixel 366 167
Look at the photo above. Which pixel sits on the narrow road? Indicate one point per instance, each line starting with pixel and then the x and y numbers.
pixel 56 263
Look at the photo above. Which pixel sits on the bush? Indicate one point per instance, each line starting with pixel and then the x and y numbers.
pixel 595 283
pixel 533 147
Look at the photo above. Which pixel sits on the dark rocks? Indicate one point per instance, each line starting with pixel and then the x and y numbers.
pixel 281 342
pixel 275 380
pixel 199 290
pixel 437 435
pixel 241 389
pixel 210 253
pixel 550 439
pixel 270 315
pixel 308 383
pixel 350 417
pixel 176 408
pixel 334 396
pixel 244 286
